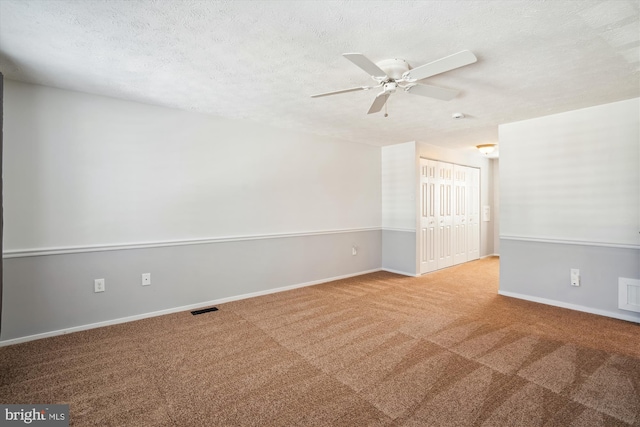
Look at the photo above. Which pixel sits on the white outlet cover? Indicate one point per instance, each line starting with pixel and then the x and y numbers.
pixel 575 277
pixel 146 279
pixel 98 285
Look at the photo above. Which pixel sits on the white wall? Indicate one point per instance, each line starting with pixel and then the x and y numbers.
pixel 570 198
pixel 573 176
pixel 399 185
pixel 85 170
pixel 91 181
pixel 495 209
pixel 399 208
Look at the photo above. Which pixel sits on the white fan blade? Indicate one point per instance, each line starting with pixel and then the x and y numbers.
pixel 447 63
pixel 365 63
pixel 353 89
pixel 433 92
pixel 379 102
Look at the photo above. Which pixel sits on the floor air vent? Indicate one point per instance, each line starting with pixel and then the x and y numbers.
pixel 629 294
pixel 204 310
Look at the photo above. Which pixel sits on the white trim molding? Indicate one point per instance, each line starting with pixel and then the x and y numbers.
pixel 21 253
pixel 404 230
pixel 561 241
pixel 196 306
pixel 403 273
pixel 628 318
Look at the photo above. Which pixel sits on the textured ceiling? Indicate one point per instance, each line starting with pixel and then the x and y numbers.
pixel 261 60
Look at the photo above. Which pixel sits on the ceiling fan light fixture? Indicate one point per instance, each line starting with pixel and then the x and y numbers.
pixel 486 149
pixel 394 68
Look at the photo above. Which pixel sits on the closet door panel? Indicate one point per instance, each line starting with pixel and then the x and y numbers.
pixel 445 214
pixel 428 218
pixel 460 237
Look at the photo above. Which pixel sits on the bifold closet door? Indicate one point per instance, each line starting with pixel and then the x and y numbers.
pixel 449 214
pixel 428 222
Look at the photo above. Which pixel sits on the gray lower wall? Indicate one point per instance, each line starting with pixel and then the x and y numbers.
pixel 55 292
pixel 541 270
pixel 399 251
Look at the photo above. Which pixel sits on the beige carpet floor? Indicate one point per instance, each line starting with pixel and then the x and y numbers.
pixel 375 350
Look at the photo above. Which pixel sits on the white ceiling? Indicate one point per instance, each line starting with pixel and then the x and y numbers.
pixel 261 60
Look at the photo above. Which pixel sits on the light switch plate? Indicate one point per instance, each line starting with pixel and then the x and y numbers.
pixel 486 213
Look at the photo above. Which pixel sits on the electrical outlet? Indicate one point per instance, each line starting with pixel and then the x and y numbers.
pixel 575 277
pixel 354 250
pixel 146 279
pixel 98 285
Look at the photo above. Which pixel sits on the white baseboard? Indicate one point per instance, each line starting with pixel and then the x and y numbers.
pixel 196 306
pixel 628 318
pixel 404 273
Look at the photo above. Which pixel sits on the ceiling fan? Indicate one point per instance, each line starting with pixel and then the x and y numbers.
pixel 392 74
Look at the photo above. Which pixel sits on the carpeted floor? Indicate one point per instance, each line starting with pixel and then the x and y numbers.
pixel 376 350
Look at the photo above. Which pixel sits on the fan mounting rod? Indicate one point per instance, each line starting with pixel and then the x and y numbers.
pixel 390 87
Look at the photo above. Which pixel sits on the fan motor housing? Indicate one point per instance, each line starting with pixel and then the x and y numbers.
pixel 394 68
